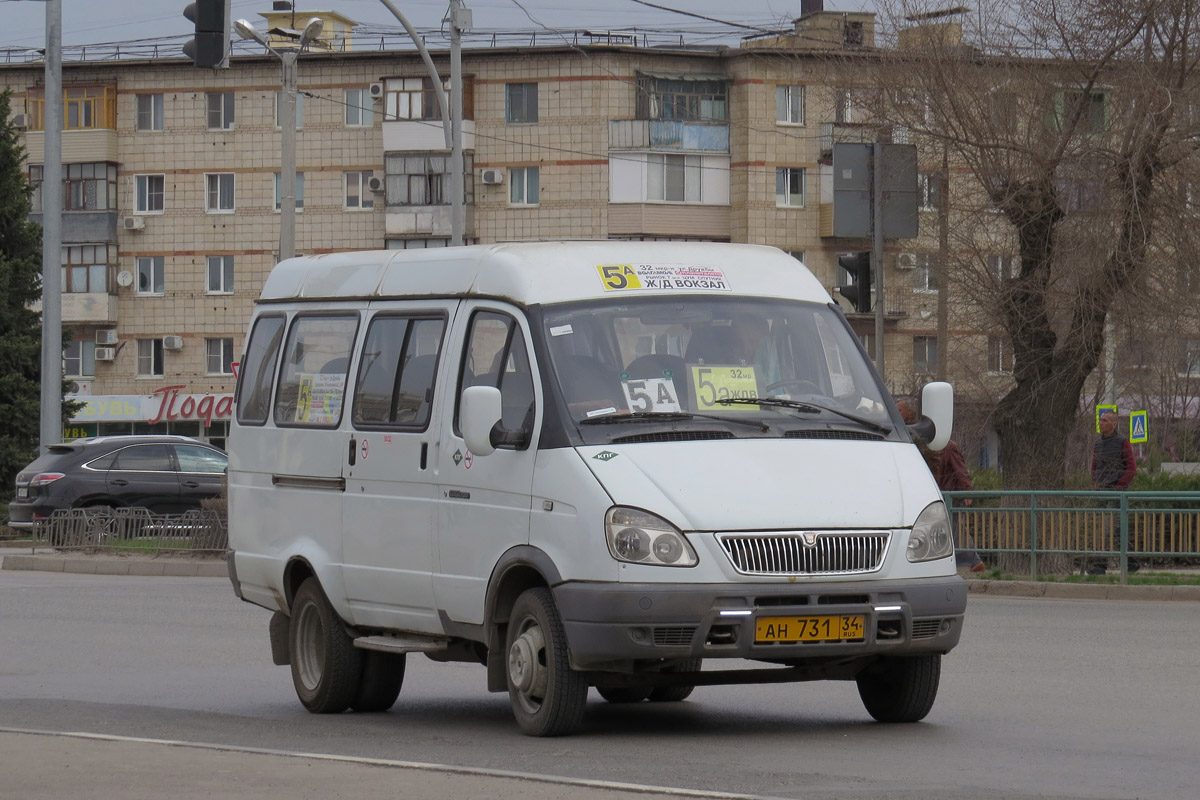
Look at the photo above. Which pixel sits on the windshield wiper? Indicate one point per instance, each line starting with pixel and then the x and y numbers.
pixel 666 416
pixel 805 407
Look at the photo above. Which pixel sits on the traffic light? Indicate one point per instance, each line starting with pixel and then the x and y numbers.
pixel 858 291
pixel 210 48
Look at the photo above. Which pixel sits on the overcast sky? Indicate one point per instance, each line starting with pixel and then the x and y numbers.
pixel 22 22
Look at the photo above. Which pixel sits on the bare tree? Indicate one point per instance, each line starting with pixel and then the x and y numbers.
pixel 1068 122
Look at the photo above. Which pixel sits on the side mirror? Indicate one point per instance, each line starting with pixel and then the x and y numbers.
pixel 479 413
pixel 937 410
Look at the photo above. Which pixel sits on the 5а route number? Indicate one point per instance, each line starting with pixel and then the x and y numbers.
pixel 619 276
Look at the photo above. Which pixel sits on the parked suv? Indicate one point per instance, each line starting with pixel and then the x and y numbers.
pixel 164 474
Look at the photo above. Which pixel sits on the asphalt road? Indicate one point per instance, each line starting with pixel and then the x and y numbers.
pixel 1043 698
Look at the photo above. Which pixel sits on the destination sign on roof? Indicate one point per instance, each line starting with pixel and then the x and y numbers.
pixel 662 278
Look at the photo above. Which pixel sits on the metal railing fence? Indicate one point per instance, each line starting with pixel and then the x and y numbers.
pixel 133 531
pixel 1120 525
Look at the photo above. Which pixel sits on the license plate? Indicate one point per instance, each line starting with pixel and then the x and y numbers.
pixel 22 493
pixel 834 628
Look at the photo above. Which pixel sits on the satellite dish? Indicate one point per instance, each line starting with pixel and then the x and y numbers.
pixel 124 278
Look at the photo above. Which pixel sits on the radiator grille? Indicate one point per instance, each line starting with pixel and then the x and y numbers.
pixel 925 628
pixel 674 636
pixel 830 553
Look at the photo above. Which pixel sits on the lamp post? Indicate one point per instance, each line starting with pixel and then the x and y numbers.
pixel 287 127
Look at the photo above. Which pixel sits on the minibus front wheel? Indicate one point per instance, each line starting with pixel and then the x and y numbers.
pixel 547 696
pixel 900 688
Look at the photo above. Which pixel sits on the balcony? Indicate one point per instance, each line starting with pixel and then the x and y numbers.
pixel 89 308
pixel 417 136
pixel 667 135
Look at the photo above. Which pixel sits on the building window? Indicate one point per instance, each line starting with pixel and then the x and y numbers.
pixel 520 103
pixel 85 267
pixel 415 244
pixel 1003 267
pixel 220 111
pixel 220 275
pixel 673 179
pixel 218 193
pixel 925 273
pixel 796 254
pixel 149 112
pixel 1189 364
pixel 790 186
pixel 416 98
pixel 789 105
pixel 358 193
pixel 523 187
pixel 150 358
pixel 360 108
pixel 868 343
pixel 219 356
pixel 299 192
pixel 149 191
pixel 1091 108
pixel 299 109
pixel 924 354
pixel 1000 357
pixel 89 187
pixel 150 275
pixel 79 359
pixel 689 101
pixel 929 190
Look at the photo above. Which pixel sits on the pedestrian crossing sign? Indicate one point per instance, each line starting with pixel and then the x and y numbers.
pixel 1103 410
pixel 1137 427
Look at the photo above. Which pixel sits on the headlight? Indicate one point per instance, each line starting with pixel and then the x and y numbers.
pixel 640 537
pixel 930 537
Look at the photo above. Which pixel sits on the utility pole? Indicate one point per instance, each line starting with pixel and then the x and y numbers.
pixel 50 431
pixel 287 157
pixel 943 272
pixel 459 18
pixel 877 167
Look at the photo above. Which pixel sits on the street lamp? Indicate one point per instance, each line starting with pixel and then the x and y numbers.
pixel 287 126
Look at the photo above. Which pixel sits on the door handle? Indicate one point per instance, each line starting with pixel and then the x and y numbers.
pixel 190 484
pixel 121 482
pixel 353 451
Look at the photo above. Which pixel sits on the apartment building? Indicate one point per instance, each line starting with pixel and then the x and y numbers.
pixel 172 184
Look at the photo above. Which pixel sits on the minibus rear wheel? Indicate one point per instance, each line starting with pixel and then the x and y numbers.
pixel 625 694
pixel 547 696
pixel 900 688
pixel 326 666
pixel 673 694
pixel 382 677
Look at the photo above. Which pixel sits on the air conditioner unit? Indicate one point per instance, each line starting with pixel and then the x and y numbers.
pixel 106 353
pixel 133 223
pixel 80 388
pixel 172 343
pixel 492 176
pixel 106 336
pixel 906 261
pixel 20 121
pixel 376 90
pixel 376 185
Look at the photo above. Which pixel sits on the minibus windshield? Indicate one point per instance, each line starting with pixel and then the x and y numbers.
pixel 705 358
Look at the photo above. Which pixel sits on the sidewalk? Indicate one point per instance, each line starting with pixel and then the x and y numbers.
pixel 208 566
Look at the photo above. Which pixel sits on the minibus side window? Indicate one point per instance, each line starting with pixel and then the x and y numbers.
pixel 258 371
pixel 316 361
pixel 396 373
pixel 496 355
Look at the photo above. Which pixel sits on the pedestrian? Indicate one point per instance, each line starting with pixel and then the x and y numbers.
pixel 1113 468
pixel 949 469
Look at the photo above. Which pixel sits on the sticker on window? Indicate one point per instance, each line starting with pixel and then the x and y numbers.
pixel 662 278
pixel 320 398
pixel 651 394
pixel 710 384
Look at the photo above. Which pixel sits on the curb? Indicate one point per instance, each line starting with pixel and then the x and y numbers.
pixel 151 567
pixel 1082 591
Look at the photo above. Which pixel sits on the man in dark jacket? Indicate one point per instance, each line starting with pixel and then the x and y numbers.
pixel 1113 469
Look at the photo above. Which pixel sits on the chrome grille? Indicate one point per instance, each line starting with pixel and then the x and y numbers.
pixel 831 552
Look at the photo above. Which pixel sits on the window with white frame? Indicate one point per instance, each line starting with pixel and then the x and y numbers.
pixel 520 103
pixel 219 356
pixel 1000 357
pixel 299 109
pixel 789 105
pixel 669 98
pixel 843 106
pixel 1003 267
pixel 219 278
pixel 416 98
pixel 796 254
pixel 220 110
pixel 358 193
pixel 868 343
pixel 150 275
pixel 299 192
pixel 924 349
pixel 79 359
pixel 418 179
pixel 925 274
pixel 150 112
pixel 673 179
pixel 149 191
pixel 790 186
pixel 219 193
pixel 415 244
pixel 523 186
pixel 360 108
pixel 929 190
pixel 150 358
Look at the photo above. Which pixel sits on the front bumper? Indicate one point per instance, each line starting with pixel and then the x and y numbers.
pixel 609 624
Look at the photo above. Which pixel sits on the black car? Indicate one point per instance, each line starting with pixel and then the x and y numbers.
pixel 164 474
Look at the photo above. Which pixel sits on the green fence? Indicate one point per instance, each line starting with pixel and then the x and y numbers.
pixel 1120 525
